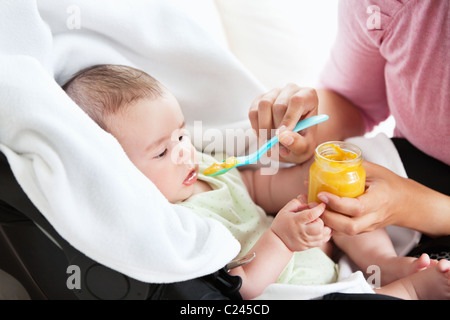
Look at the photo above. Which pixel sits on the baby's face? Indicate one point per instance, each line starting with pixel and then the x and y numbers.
pixel 152 133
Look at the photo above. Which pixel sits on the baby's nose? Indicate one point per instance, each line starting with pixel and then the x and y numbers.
pixel 184 154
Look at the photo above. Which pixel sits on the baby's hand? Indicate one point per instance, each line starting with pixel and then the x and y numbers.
pixel 300 227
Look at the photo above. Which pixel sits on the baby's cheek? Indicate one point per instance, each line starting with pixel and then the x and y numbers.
pixel 158 178
pixel 164 183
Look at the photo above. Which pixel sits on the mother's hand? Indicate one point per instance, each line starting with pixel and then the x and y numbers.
pixel 381 204
pixel 285 107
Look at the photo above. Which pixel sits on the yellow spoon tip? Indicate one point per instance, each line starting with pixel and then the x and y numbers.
pixel 216 167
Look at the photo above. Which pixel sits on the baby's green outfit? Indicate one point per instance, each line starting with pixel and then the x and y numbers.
pixel 230 203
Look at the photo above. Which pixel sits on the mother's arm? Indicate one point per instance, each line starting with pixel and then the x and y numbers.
pixel 389 199
pixel 345 119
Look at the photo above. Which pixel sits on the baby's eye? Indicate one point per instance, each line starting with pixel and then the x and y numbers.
pixel 162 154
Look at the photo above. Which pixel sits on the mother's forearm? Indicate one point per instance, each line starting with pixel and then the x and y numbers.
pixel 345 118
pixel 425 210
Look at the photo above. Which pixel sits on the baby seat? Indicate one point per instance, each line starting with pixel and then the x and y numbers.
pixel 50 268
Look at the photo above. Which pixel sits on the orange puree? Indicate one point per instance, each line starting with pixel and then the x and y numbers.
pixel 340 155
pixel 228 163
pixel 337 169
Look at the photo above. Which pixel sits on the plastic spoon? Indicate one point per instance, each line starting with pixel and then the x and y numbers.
pixel 232 162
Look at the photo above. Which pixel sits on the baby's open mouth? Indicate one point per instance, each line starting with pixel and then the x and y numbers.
pixel 191 178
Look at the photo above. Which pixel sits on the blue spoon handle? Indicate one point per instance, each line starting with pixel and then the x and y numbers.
pixel 308 122
pixel 302 124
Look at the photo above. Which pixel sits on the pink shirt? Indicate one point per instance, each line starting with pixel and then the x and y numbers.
pixel 395 59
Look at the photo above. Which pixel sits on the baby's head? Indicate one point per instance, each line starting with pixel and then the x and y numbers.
pixel 145 118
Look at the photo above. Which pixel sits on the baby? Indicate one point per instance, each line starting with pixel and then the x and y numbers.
pixel 148 122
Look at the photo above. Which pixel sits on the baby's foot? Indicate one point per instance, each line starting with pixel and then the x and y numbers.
pixel 412 265
pixel 432 283
pixel 396 268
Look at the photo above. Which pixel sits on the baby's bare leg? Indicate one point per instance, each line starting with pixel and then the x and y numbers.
pixel 376 248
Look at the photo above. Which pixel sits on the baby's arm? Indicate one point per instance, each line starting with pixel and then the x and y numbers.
pixel 272 192
pixel 296 227
pixel 271 257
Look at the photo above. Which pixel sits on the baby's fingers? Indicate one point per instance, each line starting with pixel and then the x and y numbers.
pixel 316 234
pixel 326 234
pixel 310 215
pixel 315 229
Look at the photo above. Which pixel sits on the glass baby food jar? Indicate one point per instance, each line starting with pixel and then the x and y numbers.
pixel 337 169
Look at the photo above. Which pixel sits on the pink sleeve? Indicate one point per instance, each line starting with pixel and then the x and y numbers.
pixel 355 68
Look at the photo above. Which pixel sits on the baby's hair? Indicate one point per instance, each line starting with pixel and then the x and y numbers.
pixel 102 90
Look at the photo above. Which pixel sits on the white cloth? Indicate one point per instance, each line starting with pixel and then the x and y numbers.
pixel 354 283
pixel 77 175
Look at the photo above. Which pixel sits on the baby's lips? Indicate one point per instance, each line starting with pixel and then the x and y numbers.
pixel 190 178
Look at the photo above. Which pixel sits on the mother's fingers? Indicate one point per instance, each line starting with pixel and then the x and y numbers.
pixel 347 215
pixel 354 207
pixel 339 223
pixel 260 113
pixel 295 105
pixel 283 103
pixel 342 224
pixel 282 107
